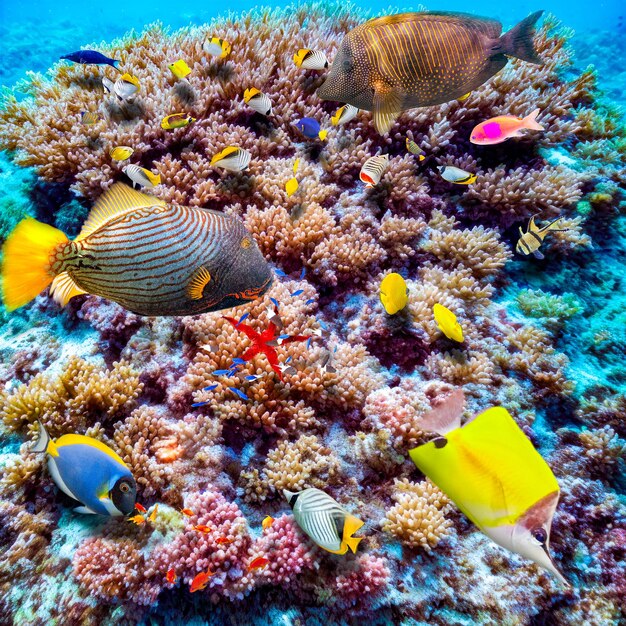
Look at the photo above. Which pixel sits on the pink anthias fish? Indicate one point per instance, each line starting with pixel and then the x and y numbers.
pixel 499 129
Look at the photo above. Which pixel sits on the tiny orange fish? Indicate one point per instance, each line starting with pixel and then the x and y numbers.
pixel 201 528
pixel 258 563
pixel 223 540
pixel 140 507
pixel 171 576
pixel 137 519
pixel 153 515
pixel 187 512
pixel 267 522
pixel 200 581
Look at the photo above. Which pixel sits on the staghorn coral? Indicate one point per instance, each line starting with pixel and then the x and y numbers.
pixel 418 518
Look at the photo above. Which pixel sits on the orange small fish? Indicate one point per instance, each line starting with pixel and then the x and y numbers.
pixel 201 528
pixel 171 576
pixel 223 540
pixel 187 512
pixel 200 581
pixel 267 522
pixel 153 515
pixel 258 563
pixel 140 507
pixel 137 519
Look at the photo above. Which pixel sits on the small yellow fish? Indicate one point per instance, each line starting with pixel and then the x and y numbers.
pixel 233 159
pixel 291 186
pixel 530 241
pixel 89 118
pixel 310 59
pixel 267 522
pixel 121 153
pixel 464 97
pixel 217 47
pixel 141 176
pixel 446 321
pixel 456 175
pixel 344 114
pixel 180 69
pixel 176 120
pixel 393 293
pixel 413 148
pixel 257 101
pixel 153 515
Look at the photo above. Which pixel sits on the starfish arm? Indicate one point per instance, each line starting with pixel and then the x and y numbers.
pixel 295 338
pixel 246 329
pixel 251 352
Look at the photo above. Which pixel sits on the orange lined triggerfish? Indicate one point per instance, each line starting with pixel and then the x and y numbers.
pixel 393 63
pixel 151 257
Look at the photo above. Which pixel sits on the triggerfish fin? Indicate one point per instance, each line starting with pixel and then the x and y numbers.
pixel 447 322
pixel 324 521
pixel 492 472
pixel 393 293
pixel 90 472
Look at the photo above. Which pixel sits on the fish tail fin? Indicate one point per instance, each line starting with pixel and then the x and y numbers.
pixel 44 443
pixel 530 121
pixel 350 526
pixel 518 42
pixel 353 543
pixel 26 266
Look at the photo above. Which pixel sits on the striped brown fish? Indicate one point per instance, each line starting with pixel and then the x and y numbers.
pixel 151 257
pixel 398 62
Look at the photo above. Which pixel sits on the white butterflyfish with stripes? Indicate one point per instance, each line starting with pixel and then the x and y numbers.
pixel 310 59
pixel 373 169
pixel 258 101
pixel 321 517
pixel 151 257
pixel 232 159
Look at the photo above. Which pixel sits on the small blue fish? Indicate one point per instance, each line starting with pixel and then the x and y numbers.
pixel 310 301
pixel 298 292
pixel 288 359
pixel 221 372
pixel 91 57
pixel 283 337
pixel 303 273
pixel 308 342
pixel 242 318
pixel 197 404
pixel 252 377
pixel 322 325
pixel 274 302
pixel 238 361
pixel 280 273
pixel 210 387
pixel 239 393
pixel 310 128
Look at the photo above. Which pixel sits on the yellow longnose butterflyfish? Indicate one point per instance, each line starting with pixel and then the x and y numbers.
pixel 492 472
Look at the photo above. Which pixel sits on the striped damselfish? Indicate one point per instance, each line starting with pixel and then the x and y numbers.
pixel 324 521
pixel 89 472
pixel 393 63
pixel 151 257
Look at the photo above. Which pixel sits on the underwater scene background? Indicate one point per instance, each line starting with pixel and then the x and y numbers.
pixel 213 431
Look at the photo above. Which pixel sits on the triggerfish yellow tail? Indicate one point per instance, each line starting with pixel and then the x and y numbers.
pixel 492 472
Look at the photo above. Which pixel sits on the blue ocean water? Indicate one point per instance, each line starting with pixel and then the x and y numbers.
pixel 571 406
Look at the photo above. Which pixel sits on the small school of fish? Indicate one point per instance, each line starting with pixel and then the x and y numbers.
pixel 487 466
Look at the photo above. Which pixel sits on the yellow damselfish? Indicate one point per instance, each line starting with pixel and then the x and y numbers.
pixel 447 323
pixel 180 69
pixel 393 293
pixel 492 472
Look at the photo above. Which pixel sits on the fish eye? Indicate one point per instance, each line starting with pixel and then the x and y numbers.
pixel 540 535
pixel 124 487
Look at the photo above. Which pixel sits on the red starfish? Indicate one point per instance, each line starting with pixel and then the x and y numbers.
pixel 263 343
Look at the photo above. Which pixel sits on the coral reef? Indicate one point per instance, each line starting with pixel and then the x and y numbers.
pixel 544 338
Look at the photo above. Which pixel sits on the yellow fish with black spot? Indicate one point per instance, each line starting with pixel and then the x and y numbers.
pixel 492 472
pixel 90 472
pixel 180 69
pixel 176 120
pixel 393 293
pixel 151 257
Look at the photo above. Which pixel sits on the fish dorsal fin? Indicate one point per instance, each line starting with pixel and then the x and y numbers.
pixel 119 199
pixel 64 288
pixel 387 107
pixel 532 226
